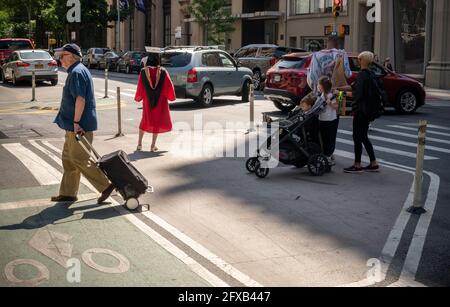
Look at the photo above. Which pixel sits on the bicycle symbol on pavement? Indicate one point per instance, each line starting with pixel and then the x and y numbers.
pixel 57 247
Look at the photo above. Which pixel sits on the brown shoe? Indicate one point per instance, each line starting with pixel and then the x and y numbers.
pixel 62 198
pixel 106 193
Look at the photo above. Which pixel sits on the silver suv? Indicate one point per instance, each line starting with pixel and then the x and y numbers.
pixel 200 73
pixel 93 56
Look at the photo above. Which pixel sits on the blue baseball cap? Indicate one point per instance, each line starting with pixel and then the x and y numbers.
pixel 72 48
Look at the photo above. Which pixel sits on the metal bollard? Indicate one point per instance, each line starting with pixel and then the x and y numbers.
pixel 252 108
pixel 417 207
pixel 119 114
pixel 33 86
pixel 106 83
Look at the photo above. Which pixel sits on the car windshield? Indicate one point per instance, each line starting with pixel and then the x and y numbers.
pixel 99 51
pixel 176 59
pixel 15 45
pixel 35 55
pixel 289 62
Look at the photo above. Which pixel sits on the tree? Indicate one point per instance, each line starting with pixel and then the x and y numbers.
pixel 214 16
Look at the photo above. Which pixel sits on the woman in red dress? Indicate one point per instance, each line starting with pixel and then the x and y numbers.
pixel 155 89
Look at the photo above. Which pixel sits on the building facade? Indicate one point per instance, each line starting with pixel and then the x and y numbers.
pixel 413 33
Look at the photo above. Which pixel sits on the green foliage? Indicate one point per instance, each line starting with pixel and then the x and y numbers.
pixel 214 16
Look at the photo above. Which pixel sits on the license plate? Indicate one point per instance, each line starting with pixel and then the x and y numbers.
pixel 39 66
pixel 277 78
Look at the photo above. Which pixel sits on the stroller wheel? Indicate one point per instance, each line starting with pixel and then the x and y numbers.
pixel 318 165
pixel 252 165
pixel 262 172
pixel 132 204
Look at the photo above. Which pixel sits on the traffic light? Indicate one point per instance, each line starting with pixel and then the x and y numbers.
pixel 337 8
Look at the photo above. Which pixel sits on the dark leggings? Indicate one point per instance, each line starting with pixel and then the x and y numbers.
pixel 360 137
pixel 328 132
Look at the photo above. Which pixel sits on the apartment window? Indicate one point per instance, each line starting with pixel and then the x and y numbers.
pixel 303 7
pixel 293 41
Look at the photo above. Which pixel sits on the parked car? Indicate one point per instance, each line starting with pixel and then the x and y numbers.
pixel 20 65
pixel 200 73
pixel 94 55
pixel 130 62
pixel 287 83
pixel 9 45
pixel 259 58
pixel 109 60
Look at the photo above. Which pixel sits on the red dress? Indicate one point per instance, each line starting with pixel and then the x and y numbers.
pixel 157 119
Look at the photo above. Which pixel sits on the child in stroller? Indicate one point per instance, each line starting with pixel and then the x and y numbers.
pixel 298 141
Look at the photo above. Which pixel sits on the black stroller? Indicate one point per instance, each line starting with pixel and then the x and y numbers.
pixel 297 146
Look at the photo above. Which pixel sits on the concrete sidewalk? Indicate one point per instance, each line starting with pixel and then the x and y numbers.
pixel 290 229
pixel 437 94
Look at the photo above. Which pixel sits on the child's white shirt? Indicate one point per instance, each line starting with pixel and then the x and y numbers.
pixel 329 114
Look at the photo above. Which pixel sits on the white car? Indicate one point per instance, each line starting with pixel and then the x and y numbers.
pixel 21 64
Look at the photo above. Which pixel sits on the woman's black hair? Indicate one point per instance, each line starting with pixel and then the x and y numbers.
pixel 154 59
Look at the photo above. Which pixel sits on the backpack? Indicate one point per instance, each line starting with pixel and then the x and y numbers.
pixel 373 106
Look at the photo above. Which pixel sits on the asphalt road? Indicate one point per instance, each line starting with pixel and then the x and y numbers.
pixel 256 227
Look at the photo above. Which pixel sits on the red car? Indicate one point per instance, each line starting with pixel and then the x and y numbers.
pixel 287 83
pixel 9 45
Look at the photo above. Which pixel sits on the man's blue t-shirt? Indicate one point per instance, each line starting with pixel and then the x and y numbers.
pixel 78 83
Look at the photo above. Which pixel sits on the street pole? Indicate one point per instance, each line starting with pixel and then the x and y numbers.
pixel 118 26
pixel 119 114
pixel 33 86
pixel 252 108
pixel 106 82
pixel 417 207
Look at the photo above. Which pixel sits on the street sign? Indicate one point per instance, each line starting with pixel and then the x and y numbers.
pixel 48 33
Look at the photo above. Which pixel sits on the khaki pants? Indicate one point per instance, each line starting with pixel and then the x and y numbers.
pixel 76 163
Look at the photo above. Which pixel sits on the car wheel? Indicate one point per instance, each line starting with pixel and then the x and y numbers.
pixel 54 82
pixel 284 106
pixel 407 102
pixel 246 92
pixel 257 79
pixel 206 96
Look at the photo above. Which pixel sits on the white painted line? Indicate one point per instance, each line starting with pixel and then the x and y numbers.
pixel 398 142
pixel 221 264
pixel 408 135
pixel 58 160
pixel 131 90
pixel 414 129
pixel 123 94
pixel 168 246
pixel 415 250
pixel 40 202
pixel 430 126
pixel 44 173
pixel 55 149
pixel 389 150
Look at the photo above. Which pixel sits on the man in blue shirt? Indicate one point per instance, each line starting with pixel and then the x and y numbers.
pixel 77 115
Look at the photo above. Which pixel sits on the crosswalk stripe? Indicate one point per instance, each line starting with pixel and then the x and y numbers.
pixel 130 90
pixel 389 150
pixel 44 173
pixel 407 135
pixel 102 95
pixel 58 159
pixel 123 94
pixel 415 129
pixel 430 126
pixel 403 143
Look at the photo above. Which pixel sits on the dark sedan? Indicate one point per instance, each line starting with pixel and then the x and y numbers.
pixel 109 60
pixel 130 62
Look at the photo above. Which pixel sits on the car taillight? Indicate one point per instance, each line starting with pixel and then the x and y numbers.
pixel 132 62
pixel 53 63
pixel 192 76
pixel 22 64
pixel 273 61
